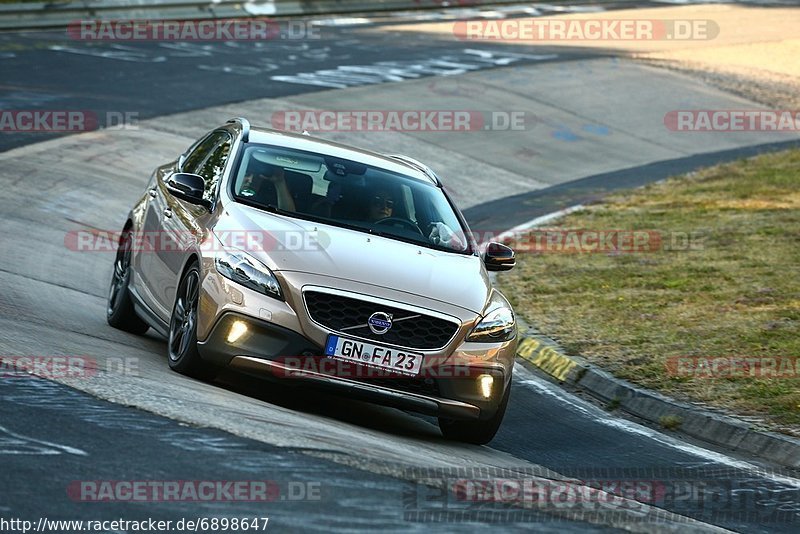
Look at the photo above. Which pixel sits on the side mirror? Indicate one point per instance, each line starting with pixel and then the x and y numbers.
pixel 499 257
pixel 188 187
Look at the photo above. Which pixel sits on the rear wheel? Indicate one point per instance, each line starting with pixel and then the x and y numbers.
pixel 183 355
pixel 478 432
pixel 119 311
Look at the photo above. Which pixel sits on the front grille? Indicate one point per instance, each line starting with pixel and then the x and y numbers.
pixel 349 316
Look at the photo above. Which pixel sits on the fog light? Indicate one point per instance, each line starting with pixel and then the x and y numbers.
pixel 486 382
pixel 238 329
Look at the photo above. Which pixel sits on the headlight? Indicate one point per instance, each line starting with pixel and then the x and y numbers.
pixel 498 325
pixel 247 271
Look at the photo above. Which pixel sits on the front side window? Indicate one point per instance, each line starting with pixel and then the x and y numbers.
pixel 198 155
pixel 348 194
pixel 214 164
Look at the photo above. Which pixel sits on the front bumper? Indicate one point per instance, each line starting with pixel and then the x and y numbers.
pixel 363 390
pixel 262 340
pixel 271 351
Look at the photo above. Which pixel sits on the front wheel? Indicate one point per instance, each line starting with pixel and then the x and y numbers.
pixel 477 432
pixel 183 355
pixel 119 310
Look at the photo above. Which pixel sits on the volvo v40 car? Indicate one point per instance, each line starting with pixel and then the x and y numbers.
pixel 282 255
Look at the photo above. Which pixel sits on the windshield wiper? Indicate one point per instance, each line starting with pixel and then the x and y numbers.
pixel 426 244
pixel 270 208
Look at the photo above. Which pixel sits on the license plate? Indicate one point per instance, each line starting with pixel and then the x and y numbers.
pixel 397 360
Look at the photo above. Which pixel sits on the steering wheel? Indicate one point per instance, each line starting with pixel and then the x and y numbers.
pixel 399 221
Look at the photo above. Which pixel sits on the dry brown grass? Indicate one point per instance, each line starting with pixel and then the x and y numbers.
pixel 736 293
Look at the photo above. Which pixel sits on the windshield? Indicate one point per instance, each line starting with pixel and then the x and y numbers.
pixel 348 194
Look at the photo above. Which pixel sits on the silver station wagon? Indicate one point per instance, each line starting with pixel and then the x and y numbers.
pixel 289 257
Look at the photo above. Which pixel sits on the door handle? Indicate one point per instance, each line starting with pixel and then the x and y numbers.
pixel 152 193
pixel 168 213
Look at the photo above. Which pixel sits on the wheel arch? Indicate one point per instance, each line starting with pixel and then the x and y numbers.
pixel 192 258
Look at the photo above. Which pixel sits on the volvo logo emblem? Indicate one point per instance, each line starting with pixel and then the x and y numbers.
pixel 380 322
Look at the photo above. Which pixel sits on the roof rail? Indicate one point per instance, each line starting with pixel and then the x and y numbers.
pixel 419 165
pixel 245 127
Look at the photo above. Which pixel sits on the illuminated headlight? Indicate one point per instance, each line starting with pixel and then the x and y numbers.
pixel 498 325
pixel 248 271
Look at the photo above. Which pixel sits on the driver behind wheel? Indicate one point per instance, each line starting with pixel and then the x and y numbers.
pixel 381 205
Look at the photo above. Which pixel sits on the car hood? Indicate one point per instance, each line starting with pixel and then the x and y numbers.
pixel 310 247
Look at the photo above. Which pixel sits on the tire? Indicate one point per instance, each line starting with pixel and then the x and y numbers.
pixel 478 432
pixel 182 346
pixel 119 310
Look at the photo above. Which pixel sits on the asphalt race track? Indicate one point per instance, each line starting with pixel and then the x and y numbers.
pixel 349 460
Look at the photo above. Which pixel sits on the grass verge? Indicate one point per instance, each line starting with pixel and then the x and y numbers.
pixel 723 285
